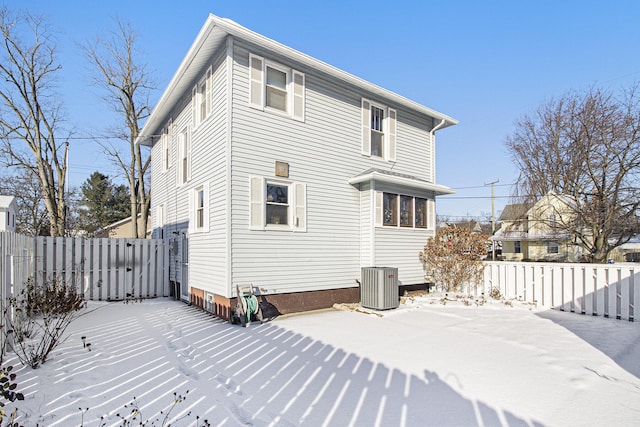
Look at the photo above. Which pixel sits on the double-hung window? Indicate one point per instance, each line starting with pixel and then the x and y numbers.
pixel 201 99
pixel 165 150
pixel 553 248
pixel 275 87
pixel 277 205
pixel 396 210
pixel 199 209
pixel 184 157
pixel 378 130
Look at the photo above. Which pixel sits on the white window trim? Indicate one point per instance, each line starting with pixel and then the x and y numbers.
pixel 193 209
pixel 379 211
pixel 197 97
pixel 297 205
pixel 296 94
pixel 389 127
pixel 182 146
pixel 165 150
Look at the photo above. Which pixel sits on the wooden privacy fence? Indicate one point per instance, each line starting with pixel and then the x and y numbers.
pixel 610 290
pixel 102 269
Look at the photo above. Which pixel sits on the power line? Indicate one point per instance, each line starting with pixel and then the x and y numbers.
pixel 445 197
pixel 482 186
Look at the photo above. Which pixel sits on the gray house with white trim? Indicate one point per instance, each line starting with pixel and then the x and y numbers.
pixel 272 168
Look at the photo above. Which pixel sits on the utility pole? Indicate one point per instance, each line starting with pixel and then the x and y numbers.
pixel 493 218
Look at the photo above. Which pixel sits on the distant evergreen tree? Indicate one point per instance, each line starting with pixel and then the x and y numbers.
pixel 102 203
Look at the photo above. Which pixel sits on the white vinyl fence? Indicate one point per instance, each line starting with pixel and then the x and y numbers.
pixel 102 269
pixel 610 290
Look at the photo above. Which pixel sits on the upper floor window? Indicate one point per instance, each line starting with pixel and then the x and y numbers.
pixel 277 205
pixel 166 146
pixel 276 87
pixel 378 130
pixel 396 210
pixel 184 157
pixel 201 99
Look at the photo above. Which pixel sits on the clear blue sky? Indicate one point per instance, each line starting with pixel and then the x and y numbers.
pixel 484 63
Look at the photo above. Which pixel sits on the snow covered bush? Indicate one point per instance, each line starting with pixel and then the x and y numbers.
pixel 453 257
pixel 37 317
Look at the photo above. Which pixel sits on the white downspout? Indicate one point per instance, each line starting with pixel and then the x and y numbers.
pixel 432 136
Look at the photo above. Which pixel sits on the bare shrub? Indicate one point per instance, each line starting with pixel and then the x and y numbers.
pixel 37 318
pixel 453 257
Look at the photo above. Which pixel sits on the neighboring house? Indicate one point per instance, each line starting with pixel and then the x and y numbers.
pixel 627 252
pixel 121 229
pixel 8 209
pixel 478 228
pixel 528 232
pixel 272 168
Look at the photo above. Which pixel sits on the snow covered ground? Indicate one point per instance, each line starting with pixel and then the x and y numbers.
pixel 422 364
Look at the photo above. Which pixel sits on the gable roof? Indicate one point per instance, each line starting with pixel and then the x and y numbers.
pixel 6 201
pixel 213 35
pixel 515 211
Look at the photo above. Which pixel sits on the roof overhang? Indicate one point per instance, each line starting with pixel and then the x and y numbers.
pixel 513 236
pixel 213 36
pixel 405 180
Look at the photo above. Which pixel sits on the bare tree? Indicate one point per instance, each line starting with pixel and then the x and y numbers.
pixel 127 86
pixel 585 147
pixel 30 111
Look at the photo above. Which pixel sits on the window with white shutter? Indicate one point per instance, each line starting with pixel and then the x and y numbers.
pixel 275 87
pixel 277 205
pixel 398 210
pixel 379 129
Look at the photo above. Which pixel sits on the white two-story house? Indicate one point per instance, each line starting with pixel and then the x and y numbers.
pixel 272 168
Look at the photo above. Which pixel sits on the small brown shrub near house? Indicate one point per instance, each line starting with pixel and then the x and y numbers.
pixel 453 257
